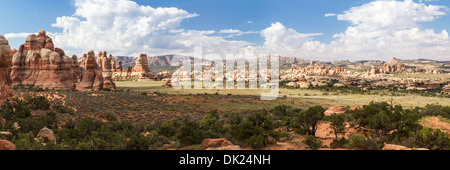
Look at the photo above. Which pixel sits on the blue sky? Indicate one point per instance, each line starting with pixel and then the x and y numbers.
pixel 296 17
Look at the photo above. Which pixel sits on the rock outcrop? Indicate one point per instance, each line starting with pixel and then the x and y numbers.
pixel 334 110
pixel 6 90
pixel 38 62
pixel 163 75
pixel 103 62
pixel 446 89
pixel 46 135
pixel 91 76
pixel 142 70
pixel 215 143
pixel 6 145
pixel 399 148
pixel 315 69
pixel 387 69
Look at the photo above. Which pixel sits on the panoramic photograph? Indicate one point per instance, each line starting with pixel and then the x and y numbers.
pixel 234 75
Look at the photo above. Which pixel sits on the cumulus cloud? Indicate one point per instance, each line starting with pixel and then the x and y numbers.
pixel 381 29
pixel 125 27
pixel 385 29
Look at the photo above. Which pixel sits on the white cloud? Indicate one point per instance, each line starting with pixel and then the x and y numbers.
pixel 330 15
pixel 385 29
pixel 124 27
pixel 229 31
pixel 380 29
pixel 16 35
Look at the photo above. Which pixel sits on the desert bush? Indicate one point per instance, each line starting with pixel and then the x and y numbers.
pixel 37 103
pixel 307 121
pixel 433 139
pixel 339 143
pixel 256 141
pixel 312 142
pixel 190 133
pixel 363 143
pixel 63 109
pixel 258 123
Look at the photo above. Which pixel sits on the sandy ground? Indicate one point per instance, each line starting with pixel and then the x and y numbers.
pixel 435 123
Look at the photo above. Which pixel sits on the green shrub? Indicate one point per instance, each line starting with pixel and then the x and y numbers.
pixel 433 139
pixel 312 142
pixel 339 143
pixel 256 142
pixel 37 103
pixel 362 143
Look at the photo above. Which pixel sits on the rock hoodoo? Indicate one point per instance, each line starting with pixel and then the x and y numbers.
pixel 38 62
pixel 91 76
pixel 6 90
pixel 142 70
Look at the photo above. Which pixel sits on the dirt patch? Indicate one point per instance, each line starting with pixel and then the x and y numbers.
pixel 435 123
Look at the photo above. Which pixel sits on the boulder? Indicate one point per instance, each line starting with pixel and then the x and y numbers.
pixel 334 110
pixel 6 145
pixel 46 135
pixel 230 147
pixel 215 143
pixel 395 147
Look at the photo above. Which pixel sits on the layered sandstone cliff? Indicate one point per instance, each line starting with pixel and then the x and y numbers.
pixel 6 91
pixel 38 62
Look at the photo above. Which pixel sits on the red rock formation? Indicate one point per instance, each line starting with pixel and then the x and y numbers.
pixel 13 51
pixel 316 70
pixel 109 83
pixel 163 75
pixel 91 76
pixel 76 67
pixel 104 63
pixel 446 89
pixel 6 91
pixel 215 143
pixel 119 66
pixel 142 70
pixel 112 60
pixel 334 110
pixel 387 69
pixel 6 145
pixel 38 62
pixel 356 108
